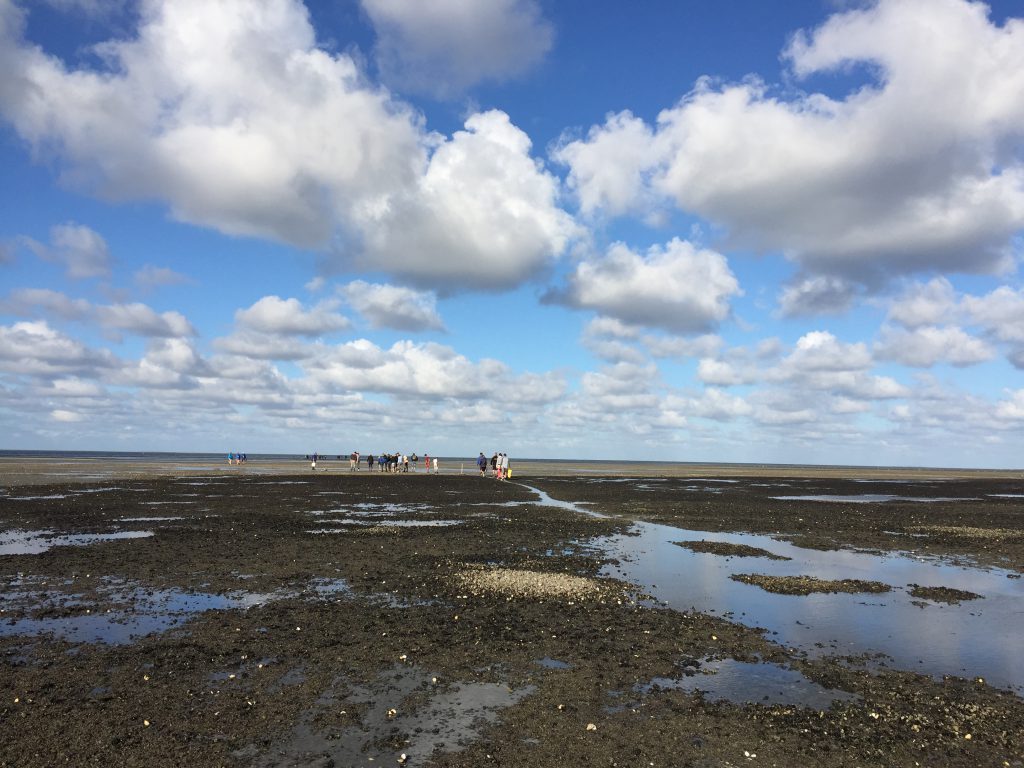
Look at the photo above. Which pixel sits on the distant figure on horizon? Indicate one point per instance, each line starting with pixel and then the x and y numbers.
pixel 426 462
pixel 353 461
pixel 481 462
pixel 435 465
pixel 369 462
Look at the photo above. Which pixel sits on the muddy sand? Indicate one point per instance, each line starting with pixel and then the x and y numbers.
pixel 336 619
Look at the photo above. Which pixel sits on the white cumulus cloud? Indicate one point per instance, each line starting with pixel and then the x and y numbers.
pixel 930 303
pixel 287 317
pixel 926 346
pixel 817 295
pixel 430 371
pixel 392 306
pixel 484 214
pixel 231 114
pixel 676 287
pixel 443 47
pixel 228 111
pixel 37 349
pixel 82 251
pixel 143 320
pixel 1000 312
pixel 915 171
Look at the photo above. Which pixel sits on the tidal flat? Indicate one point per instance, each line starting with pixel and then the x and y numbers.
pixel 273 617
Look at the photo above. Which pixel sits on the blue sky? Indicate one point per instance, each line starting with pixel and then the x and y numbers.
pixel 690 231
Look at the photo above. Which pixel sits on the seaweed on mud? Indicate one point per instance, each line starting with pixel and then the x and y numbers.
pixel 728 550
pixel 942 594
pixel 806 585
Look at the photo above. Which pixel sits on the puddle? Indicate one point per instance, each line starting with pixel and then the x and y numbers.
pixel 873 481
pixel 147 519
pixel 980 639
pixel 135 613
pixel 34 542
pixel 125 612
pixel 497 504
pixel 546 501
pixel 371 510
pixel 383 523
pixel 1006 495
pixel 549 663
pixel 329 587
pixel 872 498
pixel 37 498
pixel 741 682
pixel 368 507
pixel 450 717
pixel 975 639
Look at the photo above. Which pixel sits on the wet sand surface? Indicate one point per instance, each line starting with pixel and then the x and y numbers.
pixel 269 616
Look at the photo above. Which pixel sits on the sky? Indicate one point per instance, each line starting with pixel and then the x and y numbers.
pixel 668 230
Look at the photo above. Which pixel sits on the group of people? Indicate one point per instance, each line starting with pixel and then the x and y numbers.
pixel 500 469
pixel 382 462
pixel 386 462
pixel 237 458
pixel 399 462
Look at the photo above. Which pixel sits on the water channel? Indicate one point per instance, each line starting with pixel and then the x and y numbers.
pixel 976 638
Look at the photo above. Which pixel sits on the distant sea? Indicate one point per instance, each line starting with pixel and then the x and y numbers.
pixel 595 464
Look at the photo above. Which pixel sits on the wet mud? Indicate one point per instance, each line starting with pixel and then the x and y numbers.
pixel 942 594
pixel 454 622
pixel 808 585
pixel 728 550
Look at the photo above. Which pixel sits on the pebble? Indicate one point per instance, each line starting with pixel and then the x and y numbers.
pixel 591 727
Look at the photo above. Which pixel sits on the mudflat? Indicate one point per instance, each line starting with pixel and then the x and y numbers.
pixel 277 617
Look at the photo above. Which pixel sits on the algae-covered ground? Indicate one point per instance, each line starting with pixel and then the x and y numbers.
pixel 366 619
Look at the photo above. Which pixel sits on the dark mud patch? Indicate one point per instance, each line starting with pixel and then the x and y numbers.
pixel 362 625
pixel 728 550
pixel 806 585
pixel 942 594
